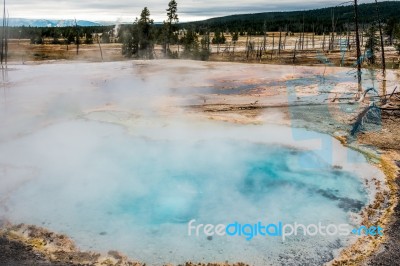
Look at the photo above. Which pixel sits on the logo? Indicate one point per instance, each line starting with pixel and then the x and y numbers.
pixel 284 231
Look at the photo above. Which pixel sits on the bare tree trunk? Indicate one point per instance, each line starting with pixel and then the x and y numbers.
pixel 101 51
pixel 357 46
pixel 332 41
pixel 6 44
pixel 77 38
pixel 362 34
pixel 265 36
pixel 313 37
pixel 164 44
pixel 348 38
pixel 233 50
pixel 382 43
pixel 247 47
pixel 3 34
pixel 227 49
pixel 302 42
pixel 307 42
pixel 208 40
pixel 251 46
pixel 284 39
pixel 280 41
pixel 273 44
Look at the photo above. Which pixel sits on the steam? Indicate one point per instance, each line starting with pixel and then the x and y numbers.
pixel 117 28
pixel 95 148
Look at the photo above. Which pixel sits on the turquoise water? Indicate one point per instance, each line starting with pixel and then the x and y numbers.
pixel 136 193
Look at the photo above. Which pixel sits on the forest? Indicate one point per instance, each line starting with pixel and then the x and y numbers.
pixel 317 21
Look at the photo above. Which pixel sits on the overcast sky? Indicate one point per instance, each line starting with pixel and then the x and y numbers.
pixel 127 10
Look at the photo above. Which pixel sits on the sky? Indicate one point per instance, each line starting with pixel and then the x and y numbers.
pixel 128 10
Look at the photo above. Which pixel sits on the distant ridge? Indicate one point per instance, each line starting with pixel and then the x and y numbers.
pixel 318 18
pixel 19 22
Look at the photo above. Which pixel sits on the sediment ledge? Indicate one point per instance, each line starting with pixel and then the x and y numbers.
pixel 29 245
pixel 380 212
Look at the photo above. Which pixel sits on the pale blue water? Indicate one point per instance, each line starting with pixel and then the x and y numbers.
pixel 135 193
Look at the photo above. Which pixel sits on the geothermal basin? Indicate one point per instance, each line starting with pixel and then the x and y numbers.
pixel 109 155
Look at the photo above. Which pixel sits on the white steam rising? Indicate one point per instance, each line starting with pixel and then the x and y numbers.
pixel 105 153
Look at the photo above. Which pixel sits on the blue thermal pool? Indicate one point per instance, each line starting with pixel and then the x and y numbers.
pixel 136 191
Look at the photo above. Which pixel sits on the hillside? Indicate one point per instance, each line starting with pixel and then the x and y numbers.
pixel 320 19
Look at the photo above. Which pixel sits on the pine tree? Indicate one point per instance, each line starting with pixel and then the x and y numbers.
pixel 138 40
pixel 145 37
pixel 190 44
pixel 130 41
pixel 170 25
pixel 235 37
pixel 218 38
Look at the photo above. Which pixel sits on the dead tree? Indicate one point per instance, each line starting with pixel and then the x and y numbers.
pixel 247 46
pixel 4 43
pixel 381 35
pixel 332 40
pixel 284 39
pixel 101 51
pixel 380 107
pixel 280 41
pixel 259 51
pixel 273 44
pixel 357 46
pixel 265 36
pixel 302 41
pixel 362 34
pixel 313 37
pixel 307 42
pixel 227 49
pixel 348 37
pixel 372 113
pixel 294 52
pixel 251 45
pixel 233 50
pixel 77 37
pixel 331 36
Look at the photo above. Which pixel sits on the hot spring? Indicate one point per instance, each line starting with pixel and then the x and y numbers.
pixel 132 183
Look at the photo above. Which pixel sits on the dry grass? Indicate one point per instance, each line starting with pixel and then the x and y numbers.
pixel 22 51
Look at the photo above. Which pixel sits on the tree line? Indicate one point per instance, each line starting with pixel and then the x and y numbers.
pixel 59 35
pixel 193 39
pixel 317 20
